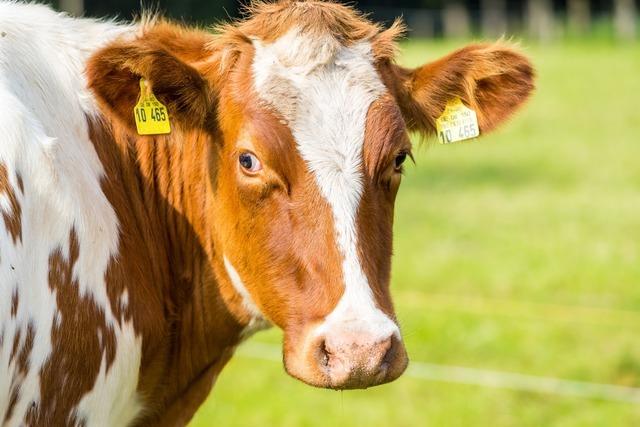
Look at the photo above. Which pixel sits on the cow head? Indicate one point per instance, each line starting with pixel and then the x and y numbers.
pixel 308 120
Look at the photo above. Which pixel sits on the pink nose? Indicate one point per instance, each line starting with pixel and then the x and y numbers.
pixel 358 361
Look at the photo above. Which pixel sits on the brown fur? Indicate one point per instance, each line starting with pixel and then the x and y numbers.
pixel 15 300
pixel 20 353
pixel 13 219
pixel 385 138
pixel 160 193
pixel 77 313
pixel 116 71
pixel 183 203
pixel 270 20
pixel 492 79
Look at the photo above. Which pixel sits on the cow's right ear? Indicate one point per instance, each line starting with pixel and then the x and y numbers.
pixel 114 75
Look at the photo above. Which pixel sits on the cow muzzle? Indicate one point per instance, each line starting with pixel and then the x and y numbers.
pixel 352 354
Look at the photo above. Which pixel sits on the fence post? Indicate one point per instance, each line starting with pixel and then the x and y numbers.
pixel 422 23
pixel 456 19
pixel 625 15
pixel 540 19
pixel 74 7
pixel 494 19
pixel 579 16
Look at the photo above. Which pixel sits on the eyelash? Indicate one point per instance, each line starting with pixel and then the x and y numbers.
pixel 404 154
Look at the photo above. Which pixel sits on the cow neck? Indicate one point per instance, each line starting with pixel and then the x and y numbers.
pixel 162 191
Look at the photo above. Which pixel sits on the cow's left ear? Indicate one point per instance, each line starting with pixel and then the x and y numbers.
pixel 114 75
pixel 494 80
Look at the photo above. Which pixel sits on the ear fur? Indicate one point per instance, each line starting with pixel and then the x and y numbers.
pixel 492 79
pixel 115 71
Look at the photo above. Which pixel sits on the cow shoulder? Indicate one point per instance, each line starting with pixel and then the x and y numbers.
pixel 58 234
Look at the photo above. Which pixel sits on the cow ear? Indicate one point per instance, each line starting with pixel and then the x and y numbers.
pixel 114 75
pixel 494 80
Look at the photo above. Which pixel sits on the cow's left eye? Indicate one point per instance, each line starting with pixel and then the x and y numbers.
pixel 250 162
pixel 399 161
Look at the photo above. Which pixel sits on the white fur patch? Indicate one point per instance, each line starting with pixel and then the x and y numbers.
pixel 258 321
pixel 324 91
pixel 106 404
pixel 44 137
pixel 5 204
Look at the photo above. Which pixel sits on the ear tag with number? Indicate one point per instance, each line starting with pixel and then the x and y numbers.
pixel 457 123
pixel 152 118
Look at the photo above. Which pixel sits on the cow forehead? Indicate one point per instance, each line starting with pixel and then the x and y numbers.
pixel 323 90
pixel 299 73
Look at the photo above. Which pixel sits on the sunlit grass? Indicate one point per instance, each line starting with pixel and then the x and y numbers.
pixel 518 253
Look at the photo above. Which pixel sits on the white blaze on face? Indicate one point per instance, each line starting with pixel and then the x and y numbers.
pixel 258 321
pixel 324 91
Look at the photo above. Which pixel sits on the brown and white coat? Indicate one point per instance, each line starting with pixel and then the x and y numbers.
pixel 131 267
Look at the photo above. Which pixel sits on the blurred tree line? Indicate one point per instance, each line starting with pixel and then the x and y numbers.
pixel 541 19
pixel 201 11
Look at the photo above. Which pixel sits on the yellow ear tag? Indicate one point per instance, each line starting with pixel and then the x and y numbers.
pixel 152 118
pixel 457 123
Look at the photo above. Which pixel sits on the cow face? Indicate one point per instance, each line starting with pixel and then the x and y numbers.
pixel 312 157
pixel 308 143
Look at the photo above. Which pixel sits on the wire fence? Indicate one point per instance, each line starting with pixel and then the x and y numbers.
pixel 500 379
pixel 483 378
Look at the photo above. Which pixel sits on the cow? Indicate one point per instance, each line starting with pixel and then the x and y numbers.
pixel 133 263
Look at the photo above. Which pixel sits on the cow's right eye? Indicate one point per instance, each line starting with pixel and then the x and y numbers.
pixel 250 163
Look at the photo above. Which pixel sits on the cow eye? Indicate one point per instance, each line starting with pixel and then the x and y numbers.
pixel 399 161
pixel 250 162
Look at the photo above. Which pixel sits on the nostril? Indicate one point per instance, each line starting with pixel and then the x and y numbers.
pixel 390 349
pixel 325 354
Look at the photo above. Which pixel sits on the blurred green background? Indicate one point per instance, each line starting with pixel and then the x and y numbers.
pixel 517 257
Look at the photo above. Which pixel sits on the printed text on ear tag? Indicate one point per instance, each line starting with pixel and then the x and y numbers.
pixel 151 116
pixel 457 123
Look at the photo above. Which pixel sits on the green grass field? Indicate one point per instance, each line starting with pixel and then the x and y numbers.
pixel 519 253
